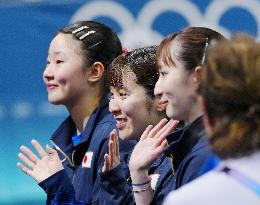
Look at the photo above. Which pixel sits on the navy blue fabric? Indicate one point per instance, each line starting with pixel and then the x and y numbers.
pixel 116 186
pixel 186 154
pixel 189 150
pixel 95 139
pixel 58 188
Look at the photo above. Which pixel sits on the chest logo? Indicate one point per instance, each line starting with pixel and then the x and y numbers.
pixel 86 162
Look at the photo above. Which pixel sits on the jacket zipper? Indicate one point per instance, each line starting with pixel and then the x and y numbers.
pixel 74 171
pixel 63 153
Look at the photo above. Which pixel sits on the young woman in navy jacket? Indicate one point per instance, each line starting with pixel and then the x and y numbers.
pixel 77 63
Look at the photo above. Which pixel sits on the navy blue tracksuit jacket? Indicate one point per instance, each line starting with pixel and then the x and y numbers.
pixel 83 161
pixel 182 162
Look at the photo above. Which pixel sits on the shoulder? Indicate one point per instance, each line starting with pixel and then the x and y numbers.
pixel 213 188
pixel 194 192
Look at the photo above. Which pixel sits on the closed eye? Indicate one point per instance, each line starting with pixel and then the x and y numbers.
pixel 59 61
pixel 162 73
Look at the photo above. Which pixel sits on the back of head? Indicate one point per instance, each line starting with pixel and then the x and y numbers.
pixel 141 62
pixel 231 91
pixel 99 42
pixel 188 47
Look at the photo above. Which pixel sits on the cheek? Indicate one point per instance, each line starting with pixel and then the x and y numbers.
pixel 167 84
pixel 62 76
pixel 134 107
pixel 128 109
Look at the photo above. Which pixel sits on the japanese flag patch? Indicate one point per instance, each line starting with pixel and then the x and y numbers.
pixel 86 162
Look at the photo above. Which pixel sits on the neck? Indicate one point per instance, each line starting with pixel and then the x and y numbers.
pixel 82 110
pixel 195 112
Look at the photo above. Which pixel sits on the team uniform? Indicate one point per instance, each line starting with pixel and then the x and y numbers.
pixel 81 160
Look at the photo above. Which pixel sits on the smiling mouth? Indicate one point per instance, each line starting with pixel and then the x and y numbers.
pixel 51 87
pixel 120 123
pixel 162 106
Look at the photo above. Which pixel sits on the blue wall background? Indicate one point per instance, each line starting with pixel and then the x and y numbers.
pixel 25 33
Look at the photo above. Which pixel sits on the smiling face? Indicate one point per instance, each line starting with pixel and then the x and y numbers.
pixel 65 73
pixel 177 86
pixel 132 108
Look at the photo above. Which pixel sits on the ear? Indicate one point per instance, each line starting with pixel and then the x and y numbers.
pixel 96 72
pixel 197 76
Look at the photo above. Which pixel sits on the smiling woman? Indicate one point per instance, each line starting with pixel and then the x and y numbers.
pixel 64 74
pixel 132 78
pixel 77 62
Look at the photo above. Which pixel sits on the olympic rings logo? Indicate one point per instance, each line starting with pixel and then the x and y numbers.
pixel 141 25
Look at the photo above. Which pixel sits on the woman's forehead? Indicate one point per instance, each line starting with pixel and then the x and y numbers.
pixel 65 43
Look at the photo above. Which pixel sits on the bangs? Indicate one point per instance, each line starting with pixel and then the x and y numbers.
pixel 115 72
pixel 164 54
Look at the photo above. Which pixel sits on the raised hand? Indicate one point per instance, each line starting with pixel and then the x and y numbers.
pixel 151 145
pixel 39 168
pixel 112 159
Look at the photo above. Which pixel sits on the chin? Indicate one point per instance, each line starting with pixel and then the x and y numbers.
pixel 54 101
pixel 170 113
pixel 125 136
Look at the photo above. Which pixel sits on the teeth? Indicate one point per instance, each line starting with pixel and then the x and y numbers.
pixel 121 120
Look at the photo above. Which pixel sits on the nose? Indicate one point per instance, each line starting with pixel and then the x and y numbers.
pixel 114 107
pixel 158 90
pixel 47 73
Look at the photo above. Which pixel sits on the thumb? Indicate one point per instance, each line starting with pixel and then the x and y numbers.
pixel 50 151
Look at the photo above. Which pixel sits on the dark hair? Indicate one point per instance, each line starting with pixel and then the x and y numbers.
pixel 231 90
pixel 141 62
pixel 99 42
pixel 192 44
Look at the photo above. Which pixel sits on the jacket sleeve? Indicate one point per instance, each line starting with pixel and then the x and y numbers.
pixel 59 189
pixel 114 189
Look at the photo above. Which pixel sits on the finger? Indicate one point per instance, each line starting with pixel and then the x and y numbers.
pixel 162 130
pixel 166 129
pixel 172 126
pixel 50 150
pixel 52 153
pixel 24 169
pixel 29 153
pixel 117 148
pixel 28 162
pixel 111 153
pixel 114 156
pixel 106 164
pixel 39 148
pixel 146 132
pixel 158 127
pixel 160 149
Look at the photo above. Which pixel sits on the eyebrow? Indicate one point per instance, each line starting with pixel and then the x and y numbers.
pixel 56 53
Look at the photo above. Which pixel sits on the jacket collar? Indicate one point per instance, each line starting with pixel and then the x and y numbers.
pixel 62 136
pixel 186 140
